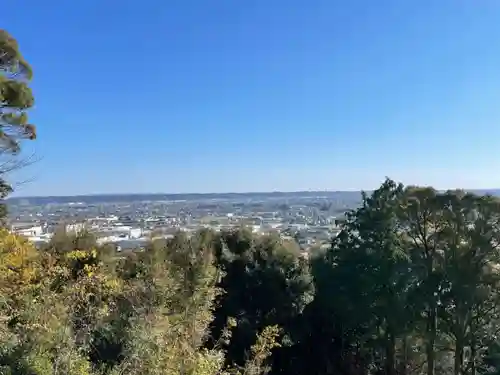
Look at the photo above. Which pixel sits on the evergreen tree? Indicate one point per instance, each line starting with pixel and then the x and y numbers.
pixel 15 100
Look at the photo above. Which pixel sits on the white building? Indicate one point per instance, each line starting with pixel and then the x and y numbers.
pixel 135 232
pixel 28 230
pixel 75 227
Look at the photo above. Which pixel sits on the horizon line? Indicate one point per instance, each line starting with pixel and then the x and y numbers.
pixel 188 193
pixel 226 193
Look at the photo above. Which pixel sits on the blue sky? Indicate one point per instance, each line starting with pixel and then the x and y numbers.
pixel 259 95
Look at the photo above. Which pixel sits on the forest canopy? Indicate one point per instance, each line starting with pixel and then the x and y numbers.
pixel 410 285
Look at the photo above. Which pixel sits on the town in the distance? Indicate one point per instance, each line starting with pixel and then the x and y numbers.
pixel 132 221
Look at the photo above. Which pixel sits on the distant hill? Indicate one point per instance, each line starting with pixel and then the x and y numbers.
pixel 110 198
pixel 495 192
pixel 116 198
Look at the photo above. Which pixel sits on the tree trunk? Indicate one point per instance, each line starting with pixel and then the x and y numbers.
pixel 459 357
pixel 473 357
pixel 431 330
pixel 403 366
pixel 390 360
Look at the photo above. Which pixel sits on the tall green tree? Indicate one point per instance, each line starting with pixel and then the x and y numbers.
pixel 370 265
pixel 470 303
pixel 265 283
pixel 421 226
pixel 16 99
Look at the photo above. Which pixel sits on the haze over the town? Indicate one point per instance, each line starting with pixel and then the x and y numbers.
pixel 218 96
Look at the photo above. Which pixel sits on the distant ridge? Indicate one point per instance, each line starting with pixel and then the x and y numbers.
pixel 110 198
pixel 97 198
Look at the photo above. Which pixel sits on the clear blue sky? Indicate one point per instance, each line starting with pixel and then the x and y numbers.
pixel 258 95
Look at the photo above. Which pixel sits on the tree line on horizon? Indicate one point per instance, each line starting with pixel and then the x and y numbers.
pixel 409 286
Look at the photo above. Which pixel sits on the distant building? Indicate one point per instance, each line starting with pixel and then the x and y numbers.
pixel 27 229
pixel 75 227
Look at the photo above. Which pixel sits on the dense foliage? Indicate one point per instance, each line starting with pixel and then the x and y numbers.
pixel 409 286
pixel 69 311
